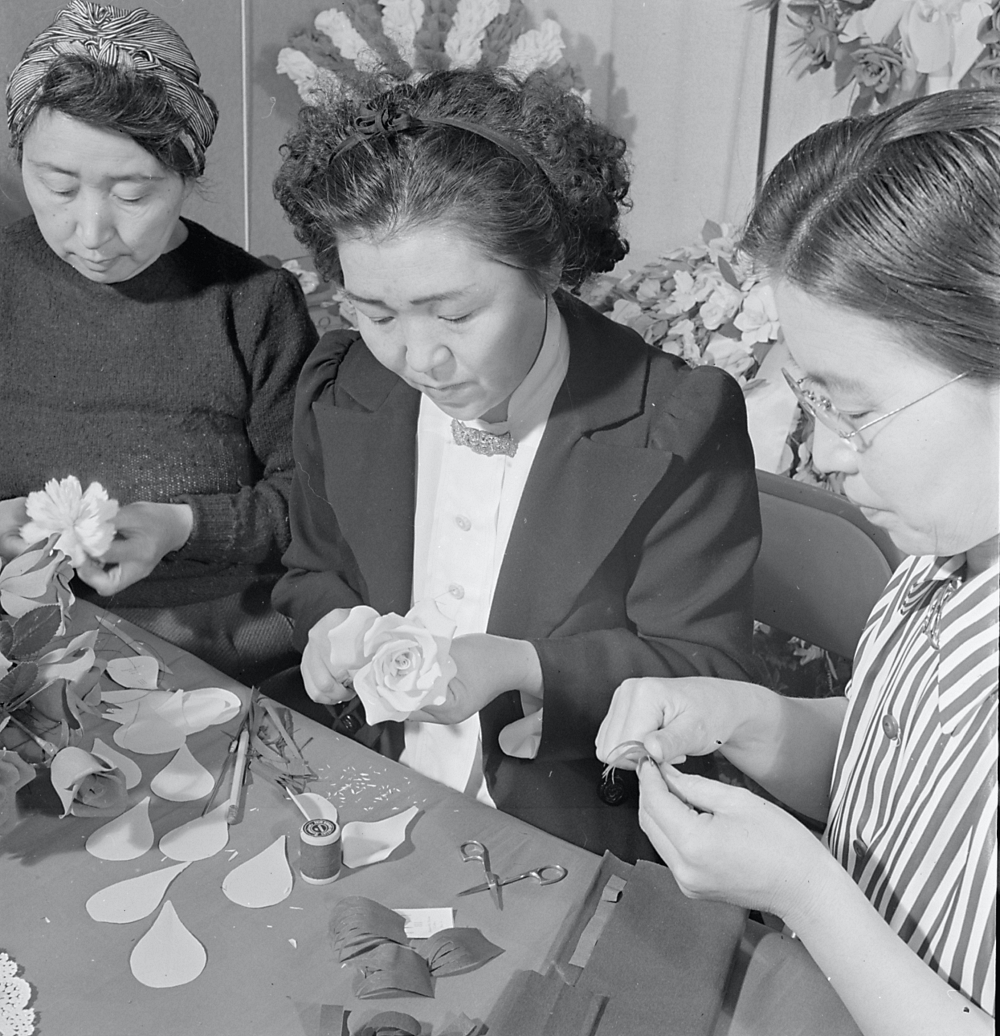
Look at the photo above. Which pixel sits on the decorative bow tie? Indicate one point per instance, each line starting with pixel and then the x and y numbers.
pixel 489 444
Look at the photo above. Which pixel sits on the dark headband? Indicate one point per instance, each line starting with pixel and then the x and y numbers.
pixel 383 122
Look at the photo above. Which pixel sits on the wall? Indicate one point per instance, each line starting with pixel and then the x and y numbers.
pixel 681 80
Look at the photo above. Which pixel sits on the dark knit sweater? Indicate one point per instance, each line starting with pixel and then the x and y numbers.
pixel 174 386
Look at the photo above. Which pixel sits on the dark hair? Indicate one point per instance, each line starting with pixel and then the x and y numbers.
pixel 897 216
pixel 556 217
pixel 116 99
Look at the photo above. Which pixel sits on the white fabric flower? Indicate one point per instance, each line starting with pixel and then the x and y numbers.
pixel 732 356
pixel 401 21
pixel 758 320
pixel 347 39
pixel 464 42
pixel 538 48
pixel 83 521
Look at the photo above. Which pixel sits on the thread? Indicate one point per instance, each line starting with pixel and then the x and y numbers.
pixel 319 851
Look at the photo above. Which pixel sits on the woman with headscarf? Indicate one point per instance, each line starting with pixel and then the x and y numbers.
pixel 882 238
pixel 580 506
pixel 139 350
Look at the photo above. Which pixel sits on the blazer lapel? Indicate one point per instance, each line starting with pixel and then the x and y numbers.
pixel 371 473
pixel 592 472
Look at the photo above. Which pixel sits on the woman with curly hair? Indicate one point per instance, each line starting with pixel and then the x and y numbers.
pixel 581 506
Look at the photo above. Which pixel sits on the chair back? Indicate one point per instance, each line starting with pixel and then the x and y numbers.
pixel 822 565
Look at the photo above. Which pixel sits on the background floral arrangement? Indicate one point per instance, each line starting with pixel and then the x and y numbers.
pixel 892 50
pixel 410 37
pixel 705 303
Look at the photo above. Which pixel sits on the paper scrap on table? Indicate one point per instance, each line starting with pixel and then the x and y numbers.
pixel 198 839
pixel 129 767
pixel 168 954
pixel 208 706
pixel 135 671
pixel 134 898
pixel 126 837
pixel 263 880
pixel 316 807
pixel 369 842
pixel 423 922
pixel 188 711
pixel 119 696
pixel 183 779
pixel 149 734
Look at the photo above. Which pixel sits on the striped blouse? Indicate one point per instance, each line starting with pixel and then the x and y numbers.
pixel 913 815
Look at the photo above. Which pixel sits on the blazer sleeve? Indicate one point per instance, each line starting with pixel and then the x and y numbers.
pixel 321 572
pixel 683 569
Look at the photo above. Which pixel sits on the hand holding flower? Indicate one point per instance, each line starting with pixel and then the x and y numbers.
pixel 486 666
pixel 83 520
pixel 335 652
pixel 143 533
pixel 86 785
pixel 408 663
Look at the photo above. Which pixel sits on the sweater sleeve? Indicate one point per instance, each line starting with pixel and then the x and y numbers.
pixel 687 606
pixel 274 337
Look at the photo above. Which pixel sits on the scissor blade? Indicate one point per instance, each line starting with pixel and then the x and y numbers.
pixel 494 886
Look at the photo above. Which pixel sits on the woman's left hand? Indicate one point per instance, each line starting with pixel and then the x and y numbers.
pixel 726 843
pixel 144 533
pixel 487 666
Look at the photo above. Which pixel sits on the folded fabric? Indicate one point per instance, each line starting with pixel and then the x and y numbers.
pixel 454 951
pixel 392 970
pixel 359 925
pixel 389 1023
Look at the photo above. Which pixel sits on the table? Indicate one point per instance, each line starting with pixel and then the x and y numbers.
pixel 269 970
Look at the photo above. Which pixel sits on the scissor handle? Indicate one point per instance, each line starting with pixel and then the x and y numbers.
pixel 473 850
pixel 548 874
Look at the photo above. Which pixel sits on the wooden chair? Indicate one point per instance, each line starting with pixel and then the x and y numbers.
pixel 822 565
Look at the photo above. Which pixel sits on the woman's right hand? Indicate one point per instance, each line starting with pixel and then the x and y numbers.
pixel 673 718
pixel 12 516
pixel 316 666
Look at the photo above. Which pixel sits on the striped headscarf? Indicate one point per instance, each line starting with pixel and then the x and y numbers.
pixel 133 41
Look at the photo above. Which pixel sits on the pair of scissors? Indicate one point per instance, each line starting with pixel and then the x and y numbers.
pixel 547 874
pixel 476 851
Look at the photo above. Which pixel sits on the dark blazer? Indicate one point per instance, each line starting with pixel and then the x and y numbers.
pixel 630 555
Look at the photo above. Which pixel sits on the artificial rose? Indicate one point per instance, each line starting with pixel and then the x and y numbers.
pixel 347 643
pixel 877 67
pixel 83 521
pixel 820 37
pixel 722 304
pixel 731 355
pixel 410 665
pixel 14 774
pixel 758 319
pixel 86 785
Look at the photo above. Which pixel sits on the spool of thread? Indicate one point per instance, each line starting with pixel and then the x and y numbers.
pixel 319 853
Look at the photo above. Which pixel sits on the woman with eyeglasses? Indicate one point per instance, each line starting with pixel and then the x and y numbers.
pixel 882 239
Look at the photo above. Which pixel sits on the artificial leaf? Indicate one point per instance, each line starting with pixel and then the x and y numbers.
pixel 728 273
pixel 18 683
pixel 6 638
pixel 35 629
